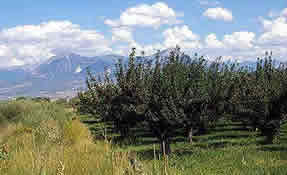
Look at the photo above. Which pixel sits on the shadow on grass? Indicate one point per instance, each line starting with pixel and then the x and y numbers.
pixel 230 125
pixel 149 141
pixel 179 140
pixel 213 145
pixel 273 148
pixel 149 154
pixel 230 129
pixel 217 137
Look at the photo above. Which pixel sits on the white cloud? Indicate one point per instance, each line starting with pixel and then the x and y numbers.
pixel 275 32
pixel 236 41
pixel 219 14
pixel 284 12
pixel 78 69
pixel 235 46
pixel 146 16
pixel 152 49
pixel 239 40
pixel 241 45
pixel 182 36
pixel 238 44
pixel 147 49
pixel 4 50
pixel 16 62
pixel 30 44
pixel 208 2
pixel 178 35
pixel 274 36
pixel 212 42
pixel 123 34
pixel 272 14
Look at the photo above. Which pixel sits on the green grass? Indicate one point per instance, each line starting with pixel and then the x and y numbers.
pixel 227 149
pixel 42 137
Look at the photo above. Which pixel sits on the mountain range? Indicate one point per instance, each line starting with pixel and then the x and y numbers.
pixel 60 76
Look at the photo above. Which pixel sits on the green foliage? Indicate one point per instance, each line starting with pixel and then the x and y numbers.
pixel 260 97
pixel 183 93
pixel 22 98
pixel 41 99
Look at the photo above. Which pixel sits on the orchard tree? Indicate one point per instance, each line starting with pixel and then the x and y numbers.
pixel 210 90
pixel 260 97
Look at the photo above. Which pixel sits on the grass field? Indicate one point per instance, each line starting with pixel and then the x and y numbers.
pixel 229 148
pixel 42 138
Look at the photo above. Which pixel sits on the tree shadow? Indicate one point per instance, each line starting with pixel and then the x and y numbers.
pixel 213 145
pixel 179 140
pixel 230 125
pixel 273 148
pixel 217 137
pixel 150 154
pixel 145 134
pixel 230 129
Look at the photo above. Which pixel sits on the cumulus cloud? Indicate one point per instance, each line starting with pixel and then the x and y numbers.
pixel 4 50
pixel 212 42
pixel 284 12
pixel 236 41
pixel 275 32
pixel 178 35
pixel 274 35
pixel 219 13
pixel 240 40
pixel 30 44
pixel 147 49
pixel 123 34
pixel 145 15
pixel 182 36
pixel 237 45
pixel 272 14
pixel 208 2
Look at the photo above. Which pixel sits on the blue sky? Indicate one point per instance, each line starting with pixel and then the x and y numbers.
pixel 34 31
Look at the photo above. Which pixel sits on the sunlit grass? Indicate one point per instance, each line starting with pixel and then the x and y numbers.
pixel 46 139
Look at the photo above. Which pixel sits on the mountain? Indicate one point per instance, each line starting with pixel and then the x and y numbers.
pixel 60 76
pixel 63 76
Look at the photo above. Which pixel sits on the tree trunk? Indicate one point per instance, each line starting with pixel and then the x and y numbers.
pixel 269 138
pixel 269 135
pixel 165 147
pixel 190 134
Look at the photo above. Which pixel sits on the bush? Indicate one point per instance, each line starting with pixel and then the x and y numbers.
pixel 11 112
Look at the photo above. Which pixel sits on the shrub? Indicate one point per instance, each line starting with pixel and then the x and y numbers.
pixel 11 112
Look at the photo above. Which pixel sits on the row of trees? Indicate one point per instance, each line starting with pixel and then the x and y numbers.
pixel 178 92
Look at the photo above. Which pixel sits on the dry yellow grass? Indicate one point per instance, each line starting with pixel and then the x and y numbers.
pixel 45 141
pixel 74 154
